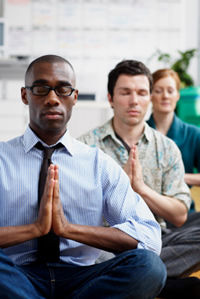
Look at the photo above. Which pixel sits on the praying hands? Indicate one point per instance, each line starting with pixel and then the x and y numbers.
pixel 51 215
pixel 134 170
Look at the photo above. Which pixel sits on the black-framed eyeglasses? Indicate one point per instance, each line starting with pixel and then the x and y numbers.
pixel 40 90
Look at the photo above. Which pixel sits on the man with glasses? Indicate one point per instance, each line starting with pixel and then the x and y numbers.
pixel 51 229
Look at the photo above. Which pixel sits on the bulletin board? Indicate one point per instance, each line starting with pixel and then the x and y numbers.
pixel 94 35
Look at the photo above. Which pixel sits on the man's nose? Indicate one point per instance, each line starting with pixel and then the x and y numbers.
pixel 52 98
pixel 133 97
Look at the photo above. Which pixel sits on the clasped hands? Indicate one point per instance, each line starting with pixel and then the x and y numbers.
pixel 51 215
pixel 134 170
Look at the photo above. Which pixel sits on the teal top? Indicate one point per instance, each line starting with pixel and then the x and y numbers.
pixel 187 138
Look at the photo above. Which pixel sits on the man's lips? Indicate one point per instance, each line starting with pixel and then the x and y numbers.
pixel 52 114
pixel 133 112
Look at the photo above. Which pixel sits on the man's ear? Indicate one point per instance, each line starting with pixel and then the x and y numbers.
pixel 110 100
pixel 24 96
pixel 75 96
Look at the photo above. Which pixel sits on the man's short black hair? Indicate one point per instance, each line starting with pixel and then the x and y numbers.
pixel 128 67
pixel 47 58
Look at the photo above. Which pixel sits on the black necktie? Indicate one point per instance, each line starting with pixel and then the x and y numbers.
pixel 48 245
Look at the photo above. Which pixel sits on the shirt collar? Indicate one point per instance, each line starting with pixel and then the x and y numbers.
pixel 109 131
pixel 30 139
pixel 147 134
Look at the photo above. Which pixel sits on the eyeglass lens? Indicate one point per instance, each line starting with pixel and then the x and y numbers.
pixel 60 90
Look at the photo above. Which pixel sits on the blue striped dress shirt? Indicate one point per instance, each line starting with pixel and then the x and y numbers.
pixel 92 185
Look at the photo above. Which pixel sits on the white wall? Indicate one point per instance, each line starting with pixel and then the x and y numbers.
pixel 192 35
pixel 88 115
pixel 168 25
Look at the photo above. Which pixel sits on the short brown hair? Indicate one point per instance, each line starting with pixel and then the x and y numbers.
pixel 128 67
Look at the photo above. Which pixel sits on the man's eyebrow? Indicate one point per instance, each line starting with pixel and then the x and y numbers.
pixel 127 88
pixel 45 82
pixel 138 89
pixel 143 89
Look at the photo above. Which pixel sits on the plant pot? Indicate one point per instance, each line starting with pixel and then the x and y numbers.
pixel 188 107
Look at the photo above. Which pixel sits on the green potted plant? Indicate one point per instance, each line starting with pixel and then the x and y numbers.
pixel 180 65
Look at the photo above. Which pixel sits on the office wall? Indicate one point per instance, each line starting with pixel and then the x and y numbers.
pixel 192 35
pixel 94 36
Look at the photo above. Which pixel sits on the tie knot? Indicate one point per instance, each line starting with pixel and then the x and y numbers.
pixel 48 151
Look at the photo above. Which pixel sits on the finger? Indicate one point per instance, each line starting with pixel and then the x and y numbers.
pixel 56 200
pixel 56 191
pixel 134 151
pixel 50 173
pixel 56 172
pixel 129 161
pixel 50 189
pixel 49 184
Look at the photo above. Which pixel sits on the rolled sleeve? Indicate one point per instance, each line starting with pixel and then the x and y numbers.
pixel 143 227
pixel 126 210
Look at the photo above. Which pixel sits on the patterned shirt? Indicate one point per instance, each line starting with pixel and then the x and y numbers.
pixel 92 185
pixel 160 158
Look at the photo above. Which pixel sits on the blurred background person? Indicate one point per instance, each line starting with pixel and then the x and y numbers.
pixel 165 96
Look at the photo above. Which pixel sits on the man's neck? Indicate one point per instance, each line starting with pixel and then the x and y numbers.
pixel 49 138
pixel 163 121
pixel 129 133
